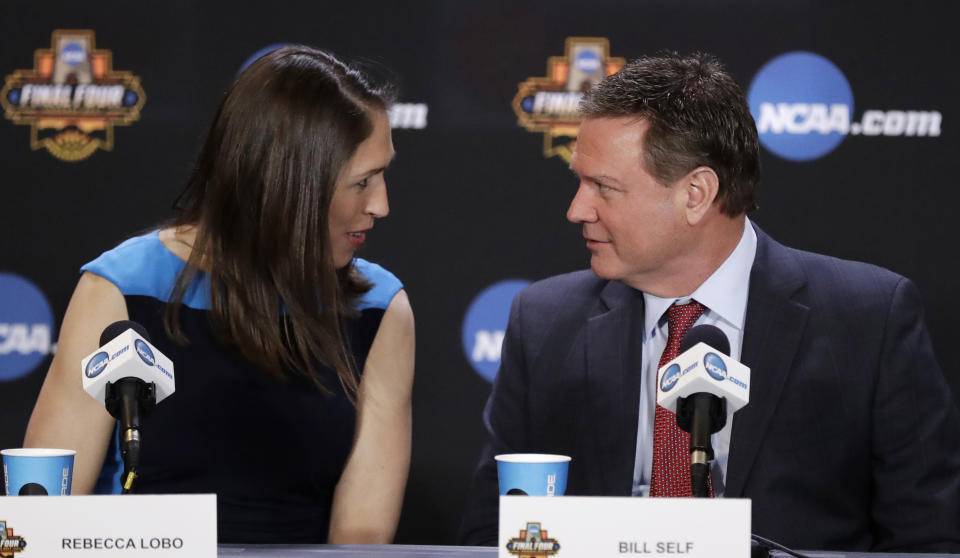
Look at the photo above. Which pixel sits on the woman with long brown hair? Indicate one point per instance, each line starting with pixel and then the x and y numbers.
pixel 294 359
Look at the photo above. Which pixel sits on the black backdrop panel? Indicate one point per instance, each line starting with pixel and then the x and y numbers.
pixel 473 199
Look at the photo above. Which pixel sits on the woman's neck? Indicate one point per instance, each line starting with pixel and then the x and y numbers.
pixel 179 240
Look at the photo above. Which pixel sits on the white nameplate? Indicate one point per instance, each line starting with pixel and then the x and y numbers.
pixel 600 527
pixel 127 526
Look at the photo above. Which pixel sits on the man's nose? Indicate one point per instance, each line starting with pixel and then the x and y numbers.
pixel 581 208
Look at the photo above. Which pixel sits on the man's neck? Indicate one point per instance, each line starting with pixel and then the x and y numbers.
pixel 713 246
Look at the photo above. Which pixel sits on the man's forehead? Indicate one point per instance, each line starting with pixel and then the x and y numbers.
pixel 607 142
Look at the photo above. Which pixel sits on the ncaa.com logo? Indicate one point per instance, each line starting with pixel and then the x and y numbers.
pixel 26 323
pixel 670 377
pixel 97 364
pixel 143 350
pixel 485 324
pixel 715 366
pixel 804 109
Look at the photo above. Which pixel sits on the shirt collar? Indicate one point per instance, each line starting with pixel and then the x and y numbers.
pixel 724 293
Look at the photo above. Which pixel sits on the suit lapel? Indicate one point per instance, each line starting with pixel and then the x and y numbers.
pixel 772 333
pixel 613 392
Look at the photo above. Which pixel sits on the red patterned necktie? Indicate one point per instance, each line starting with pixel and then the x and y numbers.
pixel 671 445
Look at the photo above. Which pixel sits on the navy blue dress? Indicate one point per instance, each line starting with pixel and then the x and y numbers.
pixel 272 450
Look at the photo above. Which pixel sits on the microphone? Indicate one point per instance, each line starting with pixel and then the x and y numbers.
pixel 703 386
pixel 128 376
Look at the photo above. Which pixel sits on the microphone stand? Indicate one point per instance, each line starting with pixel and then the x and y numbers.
pixel 701 414
pixel 130 400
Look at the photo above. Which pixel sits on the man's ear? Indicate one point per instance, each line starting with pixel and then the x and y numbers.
pixel 701 186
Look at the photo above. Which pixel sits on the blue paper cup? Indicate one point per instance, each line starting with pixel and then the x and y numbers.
pixel 532 474
pixel 37 471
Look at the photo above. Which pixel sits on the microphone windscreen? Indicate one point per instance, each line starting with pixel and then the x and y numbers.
pixel 116 328
pixel 711 335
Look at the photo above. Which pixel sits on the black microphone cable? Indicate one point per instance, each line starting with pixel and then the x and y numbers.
pixel 761 547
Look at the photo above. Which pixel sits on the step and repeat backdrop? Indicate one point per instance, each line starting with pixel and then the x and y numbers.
pixel 105 104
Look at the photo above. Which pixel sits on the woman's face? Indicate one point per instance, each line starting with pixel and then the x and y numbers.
pixel 360 195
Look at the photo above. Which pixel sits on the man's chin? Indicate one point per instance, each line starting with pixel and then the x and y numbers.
pixel 601 270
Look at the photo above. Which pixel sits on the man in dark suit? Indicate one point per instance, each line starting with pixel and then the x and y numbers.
pixel 851 439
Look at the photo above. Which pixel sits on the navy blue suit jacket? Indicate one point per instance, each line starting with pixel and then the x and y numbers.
pixel 851 439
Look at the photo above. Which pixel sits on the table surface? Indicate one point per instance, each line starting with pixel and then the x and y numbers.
pixel 352 550
pixel 417 551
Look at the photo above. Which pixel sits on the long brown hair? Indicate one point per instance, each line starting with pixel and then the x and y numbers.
pixel 259 198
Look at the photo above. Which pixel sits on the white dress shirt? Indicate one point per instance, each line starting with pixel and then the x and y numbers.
pixel 724 294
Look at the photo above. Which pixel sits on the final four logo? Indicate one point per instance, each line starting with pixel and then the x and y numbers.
pixel 72 98
pixel 533 542
pixel 549 104
pixel 10 543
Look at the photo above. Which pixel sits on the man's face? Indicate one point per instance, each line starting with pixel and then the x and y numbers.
pixel 635 227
